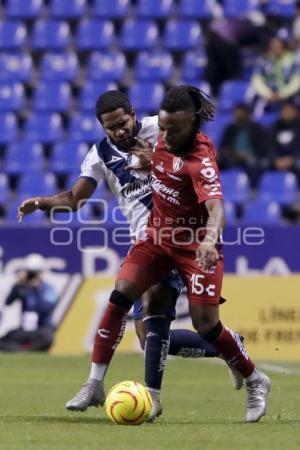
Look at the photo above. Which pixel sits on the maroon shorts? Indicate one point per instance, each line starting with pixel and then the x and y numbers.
pixel 147 264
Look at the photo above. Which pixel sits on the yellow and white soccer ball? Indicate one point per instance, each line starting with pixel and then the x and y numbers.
pixel 128 403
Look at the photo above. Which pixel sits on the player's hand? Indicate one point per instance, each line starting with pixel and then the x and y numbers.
pixel 143 150
pixel 28 207
pixel 207 255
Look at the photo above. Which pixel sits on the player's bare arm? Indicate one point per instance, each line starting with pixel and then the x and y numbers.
pixel 73 198
pixel 143 150
pixel 207 254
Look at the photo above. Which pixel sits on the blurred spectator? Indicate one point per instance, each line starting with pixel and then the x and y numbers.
pixel 244 144
pixel 38 300
pixel 296 26
pixel 276 76
pixel 285 139
pixel 225 38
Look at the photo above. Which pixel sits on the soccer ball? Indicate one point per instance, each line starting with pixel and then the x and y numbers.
pixel 128 403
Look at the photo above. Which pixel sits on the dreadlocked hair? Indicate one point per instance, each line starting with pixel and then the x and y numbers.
pixel 190 99
pixel 110 101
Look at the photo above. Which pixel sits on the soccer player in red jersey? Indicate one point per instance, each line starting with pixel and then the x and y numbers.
pixel 185 229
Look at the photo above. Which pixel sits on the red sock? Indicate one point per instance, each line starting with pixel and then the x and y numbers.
pixel 109 334
pixel 233 352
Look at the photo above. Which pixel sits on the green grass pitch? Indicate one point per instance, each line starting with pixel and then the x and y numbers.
pixel 201 410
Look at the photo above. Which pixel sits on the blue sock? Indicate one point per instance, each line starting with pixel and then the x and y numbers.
pixel 189 344
pixel 156 350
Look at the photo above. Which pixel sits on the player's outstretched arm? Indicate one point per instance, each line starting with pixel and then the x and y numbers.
pixel 207 254
pixel 73 198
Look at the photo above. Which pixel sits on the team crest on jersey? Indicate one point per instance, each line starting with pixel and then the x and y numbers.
pixel 177 164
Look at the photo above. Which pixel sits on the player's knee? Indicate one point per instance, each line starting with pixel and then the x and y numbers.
pixel 120 299
pixel 203 326
pixel 127 288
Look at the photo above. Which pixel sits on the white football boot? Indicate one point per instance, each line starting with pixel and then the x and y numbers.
pixel 258 391
pixel 91 394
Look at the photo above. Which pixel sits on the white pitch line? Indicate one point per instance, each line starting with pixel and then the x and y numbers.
pixel 284 370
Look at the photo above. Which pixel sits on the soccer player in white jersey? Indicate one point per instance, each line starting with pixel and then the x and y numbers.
pixel 125 146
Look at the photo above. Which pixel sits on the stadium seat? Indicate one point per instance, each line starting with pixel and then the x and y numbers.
pixel 91 90
pixel 4 188
pixel 111 9
pixel 37 183
pixel 9 127
pixel 262 212
pixel 195 8
pixel 139 35
pixel 92 34
pixel 154 66
pixel 50 35
pixel 146 94
pixel 45 127
pixel 64 9
pixel 235 185
pixel 59 66
pixel 281 187
pixel 182 35
pixel 52 96
pixel 16 67
pixel 285 8
pixel 106 66
pixel 84 127
pixel 12 97
pixel 239 7
pixel 215 128
pixel 13 35
pixel 155 9
pixel 83 216
pixel 20 9
pixel 230 216
pixel 232 92
pixel 23 156
pixel 192 67
pixel 67 156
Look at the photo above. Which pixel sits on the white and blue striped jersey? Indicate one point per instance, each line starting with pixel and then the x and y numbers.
pixel 105 161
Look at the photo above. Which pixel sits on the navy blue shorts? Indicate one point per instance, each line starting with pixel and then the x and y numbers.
pixel 174 280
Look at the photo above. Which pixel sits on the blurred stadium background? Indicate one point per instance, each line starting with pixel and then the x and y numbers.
pixel 56 57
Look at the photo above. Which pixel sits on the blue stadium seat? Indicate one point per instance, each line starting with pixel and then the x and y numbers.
pixel 44 127
pixel 111 9
pixel 23 156
pixel 50 35
pixel 64 9
pixel 9 127
pixel 37 183
pixel 232 92
pixel 91 90
pixel 192 67
pixel 67 156
pixel 281 187
pixel 154 66
pixel 182 35
pixel 235 185
pixel 4 188
pixel 155 9
pixel 285 8
pixel 146 94
pixel 195 8
pixel 230 215
pixel 13 35
pixel 12 97
pixel 16 67
pixel 82 216
pixel 215 128
pixel 59 66
pixel 139 35
pixel 262 212
pixel 239 7
pixel 20 9
pixel 106 66
pixel 92 34
pixel 85 127
pixel 52 96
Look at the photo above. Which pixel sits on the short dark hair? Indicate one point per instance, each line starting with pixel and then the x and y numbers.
pixel 190 99
pixel 110 101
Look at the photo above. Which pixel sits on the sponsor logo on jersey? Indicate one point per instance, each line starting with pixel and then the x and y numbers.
pixel 177 164
pixel 137 189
